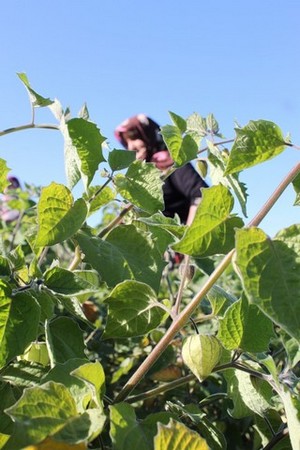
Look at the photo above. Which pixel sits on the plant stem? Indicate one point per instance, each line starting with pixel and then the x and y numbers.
pixel 29 126
pixel 115 222
pixel 185 314
pixel 161 389
pixel 276 438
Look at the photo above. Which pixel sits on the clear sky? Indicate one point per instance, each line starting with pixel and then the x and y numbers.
pixel 236 59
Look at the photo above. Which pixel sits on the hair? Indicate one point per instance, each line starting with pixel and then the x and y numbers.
pixel 144 128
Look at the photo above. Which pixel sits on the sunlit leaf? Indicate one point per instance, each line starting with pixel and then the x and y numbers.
pixel 65 282
pixel 255 143
pixel 176 436
pixel 133 310
pixel 59 217
pixel 178 121
pixel 19 320
pixel 36 99
pixel 50 444
pixel 212 230
pixel 4 171
pixel 142 186
pixel 182 148
pixel 98 197
pixel 236 329
pixel 217 162
pixel 248 394
pixel 220 300
pixel 87 140
pixel 271 274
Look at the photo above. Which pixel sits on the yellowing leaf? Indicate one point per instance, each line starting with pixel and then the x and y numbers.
pixel 176 436
pixel 49 444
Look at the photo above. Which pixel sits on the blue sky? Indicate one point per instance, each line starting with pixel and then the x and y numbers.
pixel 236 59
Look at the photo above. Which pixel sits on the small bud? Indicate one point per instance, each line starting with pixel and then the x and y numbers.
pixel 202 167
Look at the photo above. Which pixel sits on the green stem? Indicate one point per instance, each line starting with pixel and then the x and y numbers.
pixel 185 314
pixel 29 126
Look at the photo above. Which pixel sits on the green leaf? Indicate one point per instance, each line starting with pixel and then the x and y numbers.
pixel 63 373
pixel 4 171
pixel 59 217
pixel 103 197
pixel 176 436
pixel 212 124
pixel 213 228
pixel 296 185
pixel 22 374
pixel 236 329
pixel 93 375
pixel 127 253
pixel 201 353
pixel 47 410
pixel 86 140
pixel 127 432
pixel 133 310
pixel 182 148
pixel 19 320
pixel 178 121
pixel 196 126
pixel 217 160
pixel 248 394
pixel 255 143
pixel 292 409
pixel 120 159
pixel 220 300
pixel 64 340
pixel 166 223
pixel 65 282
pixel 270 270
pixel 36 99
pixel 142 186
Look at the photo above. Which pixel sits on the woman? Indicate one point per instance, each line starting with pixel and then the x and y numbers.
pixel 181 189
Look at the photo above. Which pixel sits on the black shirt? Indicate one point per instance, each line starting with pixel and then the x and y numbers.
pixel 181 189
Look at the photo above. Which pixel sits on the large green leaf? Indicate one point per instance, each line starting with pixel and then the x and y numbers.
pixel 182 148
pixel 248 394
pixel 127 253
pixel 213 228
pixel 65 282
pixel 59 217
pixel 36 99
pixel 120 159
pixel 127 432
pixel 64 340
pixel 142 186
pixel 176 436
pixel 292 409
pixel 271 274
pixel 133 310
pixel 48 410
pixel 237 331
pixel 19 320
pixel 62 373
pixel 92 374
pixel 255 143
pixel 98 197
pixel 87 141
pixel 218 160
pixel 4 171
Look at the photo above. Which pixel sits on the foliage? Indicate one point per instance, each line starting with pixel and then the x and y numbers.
pixel 105 343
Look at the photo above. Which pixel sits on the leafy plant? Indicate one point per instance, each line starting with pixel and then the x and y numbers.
pixel 105 344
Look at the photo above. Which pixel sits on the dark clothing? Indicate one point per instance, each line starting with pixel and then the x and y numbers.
pixel 181 190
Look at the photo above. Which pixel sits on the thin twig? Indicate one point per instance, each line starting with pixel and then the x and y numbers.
pixel 29 126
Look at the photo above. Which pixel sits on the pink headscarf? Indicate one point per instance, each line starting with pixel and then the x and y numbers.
pixel 149 132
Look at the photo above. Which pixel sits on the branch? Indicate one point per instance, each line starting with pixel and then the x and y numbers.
pixel 29 126
pixel 115 222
